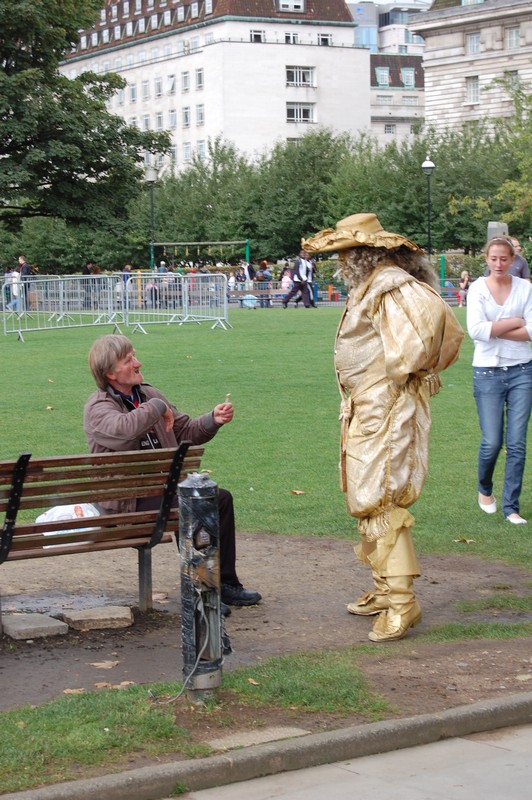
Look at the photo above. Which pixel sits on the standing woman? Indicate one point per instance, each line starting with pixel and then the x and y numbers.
pixel 499 320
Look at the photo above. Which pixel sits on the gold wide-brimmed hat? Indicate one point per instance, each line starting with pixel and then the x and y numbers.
pixel 358 230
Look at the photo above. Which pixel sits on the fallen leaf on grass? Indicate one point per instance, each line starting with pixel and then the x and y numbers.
pixel 21 724
pixel 49 408
pixel 50 380
pixel 296 491
pixel 107 685
pixel 73 691
pixel 253 682
pixel 104 664
pixel 466 541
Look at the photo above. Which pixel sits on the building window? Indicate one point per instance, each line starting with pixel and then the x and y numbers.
pixel 209 38
pixel 257 36
pixel 145 90
pixel 325 39
pixel 154 22
pixel 180 48
pixel 291 5
pixel 94 39
pixel 105 36
pixel 141 25
pixel 120 97
pixel 473 44
pixel 382 75
pixel 170 84
pixel 512 38
pixel 83 42
pixel 167 18
pixel 138 6
pixel 208 6
pixel 390 128
pixel 384 100
pixel 181 13
pixel 142 57
pixel 201 150
pixel 194 10
pixel 118 63
pixel 408 76
pixel 185 81
pixel 159 121
pixel 158 87
pixel 200 81
pixel 145 122
pixel 185 116
pixel 116 32
pixel 472 89
pixel 200 114
pixel 299 76
pixel 173 154
pixel 125 8
pixel 106 66
pixel 411 100
pixel 512 76
pixel 172 118
pixel 102 16
pixel 133 121
pixel 129 29
pixel 187 152
pixel 402 49
pixel 130 60
pixel 300 112
pixel 133 93
pixel 151 3
pixel 291 38
pixel 114 12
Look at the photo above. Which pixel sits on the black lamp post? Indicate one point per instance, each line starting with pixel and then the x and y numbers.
pixel 150 176
pixel 428 168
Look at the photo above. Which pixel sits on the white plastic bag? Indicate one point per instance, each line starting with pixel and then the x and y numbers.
pixel 58 513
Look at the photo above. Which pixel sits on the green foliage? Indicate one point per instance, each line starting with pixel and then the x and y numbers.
pixel 63 154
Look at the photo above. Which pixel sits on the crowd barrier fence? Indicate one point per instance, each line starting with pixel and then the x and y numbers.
pixel 138 299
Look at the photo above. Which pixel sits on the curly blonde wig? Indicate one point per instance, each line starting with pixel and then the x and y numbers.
pixel 357 264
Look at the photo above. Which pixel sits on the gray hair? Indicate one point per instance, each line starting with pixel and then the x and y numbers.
pixel 104 354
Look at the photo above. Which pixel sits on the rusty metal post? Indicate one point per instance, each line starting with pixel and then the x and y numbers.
pixel 201 624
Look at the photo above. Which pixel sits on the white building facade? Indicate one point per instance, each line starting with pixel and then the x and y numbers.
pixel 252 73
pixel 469 48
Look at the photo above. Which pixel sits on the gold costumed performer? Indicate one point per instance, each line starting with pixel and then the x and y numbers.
pixel 395 336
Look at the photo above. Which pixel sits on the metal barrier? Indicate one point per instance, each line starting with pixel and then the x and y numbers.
pixel 143 298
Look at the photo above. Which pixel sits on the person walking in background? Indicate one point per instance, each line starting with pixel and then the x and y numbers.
pixel 499 320
pixel 300 277
pixel 25 272
pixel 465 283
pixel 395 337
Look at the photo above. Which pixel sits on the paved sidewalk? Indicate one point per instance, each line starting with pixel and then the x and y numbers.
pixel 490 766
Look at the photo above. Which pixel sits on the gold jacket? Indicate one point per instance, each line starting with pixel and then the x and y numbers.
pixel 395 336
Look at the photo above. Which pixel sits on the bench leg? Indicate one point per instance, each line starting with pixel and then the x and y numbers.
pixel 145 580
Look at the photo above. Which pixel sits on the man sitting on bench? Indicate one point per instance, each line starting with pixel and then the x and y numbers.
pixel 128 414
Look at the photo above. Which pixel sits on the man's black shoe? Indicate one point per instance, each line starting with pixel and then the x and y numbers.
pixel 225 611
pixel 238 596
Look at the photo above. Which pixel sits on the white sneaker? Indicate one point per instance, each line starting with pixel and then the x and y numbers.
pixel 515 519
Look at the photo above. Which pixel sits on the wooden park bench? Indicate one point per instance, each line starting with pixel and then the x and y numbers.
pixel 30 486
pixel 270 295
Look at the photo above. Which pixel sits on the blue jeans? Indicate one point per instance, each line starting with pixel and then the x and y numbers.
pixel 496 390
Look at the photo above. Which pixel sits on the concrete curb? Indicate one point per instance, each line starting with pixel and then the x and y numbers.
pixel 150 783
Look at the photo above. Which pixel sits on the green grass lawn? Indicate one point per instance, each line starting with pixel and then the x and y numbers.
pixel 278 367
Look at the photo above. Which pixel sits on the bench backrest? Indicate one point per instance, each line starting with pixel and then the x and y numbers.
pixel 77 479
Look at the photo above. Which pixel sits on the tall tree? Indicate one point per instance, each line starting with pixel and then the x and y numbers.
pixel 63 154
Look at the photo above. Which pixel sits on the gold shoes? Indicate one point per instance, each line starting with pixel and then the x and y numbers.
pixel 370 603
pixel 391 625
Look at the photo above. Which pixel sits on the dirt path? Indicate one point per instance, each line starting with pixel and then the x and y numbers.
pixel 306 584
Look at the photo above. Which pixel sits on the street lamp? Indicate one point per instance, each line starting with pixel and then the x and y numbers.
pixel 428 168
pixel 150 176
